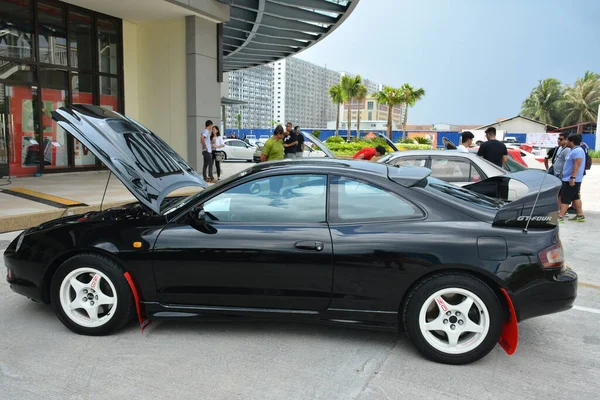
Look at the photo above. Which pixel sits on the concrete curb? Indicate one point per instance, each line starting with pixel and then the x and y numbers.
pixel 22 221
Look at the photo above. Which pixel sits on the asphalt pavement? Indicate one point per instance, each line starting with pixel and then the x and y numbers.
pixel 558 356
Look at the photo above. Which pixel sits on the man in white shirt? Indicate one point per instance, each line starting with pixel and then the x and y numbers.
pixel 466 139
pixel 207 152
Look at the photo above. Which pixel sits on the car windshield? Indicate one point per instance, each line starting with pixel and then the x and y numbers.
pixel 171 205
pixel 461 194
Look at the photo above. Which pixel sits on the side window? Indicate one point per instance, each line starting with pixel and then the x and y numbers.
pixel 361 201
pixel 454 170
pixel 276 199
pixel 411 161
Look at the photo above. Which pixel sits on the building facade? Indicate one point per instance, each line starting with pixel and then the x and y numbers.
pixel 254 86
pixel 160 62
pixel 370 111
pixel 301 93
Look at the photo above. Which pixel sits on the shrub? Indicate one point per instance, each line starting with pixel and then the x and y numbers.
pixel 407 140
pixel 595 153
pixel 316 134
pixel 344 149
pixel 422 140
pixel 334 139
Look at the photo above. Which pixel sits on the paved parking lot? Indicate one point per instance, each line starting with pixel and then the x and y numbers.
pixel 558 355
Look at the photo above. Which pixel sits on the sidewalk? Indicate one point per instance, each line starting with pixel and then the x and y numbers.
pixel 82 187
pixel 87 187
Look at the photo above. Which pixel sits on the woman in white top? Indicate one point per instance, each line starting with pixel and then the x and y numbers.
pixel 217 143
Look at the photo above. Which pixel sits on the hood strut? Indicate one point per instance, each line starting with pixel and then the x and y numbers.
pixel 105 188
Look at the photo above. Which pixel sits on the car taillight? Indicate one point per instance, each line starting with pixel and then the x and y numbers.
pixel 552 257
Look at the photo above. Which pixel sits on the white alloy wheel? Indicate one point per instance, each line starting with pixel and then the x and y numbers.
pixel 454 320
pixel 88 297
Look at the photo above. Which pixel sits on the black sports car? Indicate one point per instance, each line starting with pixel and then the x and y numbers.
pixel 336 241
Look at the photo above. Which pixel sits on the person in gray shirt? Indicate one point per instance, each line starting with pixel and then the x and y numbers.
pixel 562 152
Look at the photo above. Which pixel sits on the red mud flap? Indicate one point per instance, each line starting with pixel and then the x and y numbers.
pixel 509 338
pixel 143 322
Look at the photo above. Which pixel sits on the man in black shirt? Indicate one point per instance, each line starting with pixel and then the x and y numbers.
pixel 290 142
pixel 493 150
pixel 300 138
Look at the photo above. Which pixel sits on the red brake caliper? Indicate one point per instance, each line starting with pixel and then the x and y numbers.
pixel 509 339
pixel 143 321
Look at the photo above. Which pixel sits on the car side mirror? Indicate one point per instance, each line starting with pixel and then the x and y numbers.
pixel 197 214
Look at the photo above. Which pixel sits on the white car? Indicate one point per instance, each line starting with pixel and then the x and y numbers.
pixel 236 149
pixel 457 168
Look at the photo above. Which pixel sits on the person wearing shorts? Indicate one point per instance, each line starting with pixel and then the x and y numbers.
pixel 572 175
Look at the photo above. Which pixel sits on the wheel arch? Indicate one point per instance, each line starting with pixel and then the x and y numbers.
pixel 492 281
pixel 57 262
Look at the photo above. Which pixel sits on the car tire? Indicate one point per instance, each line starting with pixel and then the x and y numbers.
pixel 453 318
pixel 90 295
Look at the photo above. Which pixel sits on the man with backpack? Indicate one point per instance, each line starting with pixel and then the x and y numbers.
pixel 572 176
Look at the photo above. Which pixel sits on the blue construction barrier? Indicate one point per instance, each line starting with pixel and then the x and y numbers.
pixel 590 140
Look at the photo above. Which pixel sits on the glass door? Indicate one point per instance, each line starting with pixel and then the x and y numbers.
pixel 20 124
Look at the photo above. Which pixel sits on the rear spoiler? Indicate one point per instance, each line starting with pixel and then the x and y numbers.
pixel 538 208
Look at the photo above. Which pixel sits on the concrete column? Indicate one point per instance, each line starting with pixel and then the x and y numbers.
pixel 203 89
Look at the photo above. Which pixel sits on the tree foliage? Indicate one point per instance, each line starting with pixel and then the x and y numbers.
pixel 553 103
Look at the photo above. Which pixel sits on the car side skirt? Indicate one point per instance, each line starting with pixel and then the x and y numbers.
pixel 380 320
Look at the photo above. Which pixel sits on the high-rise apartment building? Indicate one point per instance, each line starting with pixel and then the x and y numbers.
pixel 255 87
pixel 292 90
pixel 301 93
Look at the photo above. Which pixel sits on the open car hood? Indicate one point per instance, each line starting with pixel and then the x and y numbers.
pixel 542 191
pixel 388 141
pixel 142 161
pixel 313 139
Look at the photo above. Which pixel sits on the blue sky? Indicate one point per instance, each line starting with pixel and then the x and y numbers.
pixel 476 59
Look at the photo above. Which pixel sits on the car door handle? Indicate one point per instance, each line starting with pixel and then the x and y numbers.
pixel 309 245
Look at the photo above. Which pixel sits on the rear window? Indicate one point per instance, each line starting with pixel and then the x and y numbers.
pixel 459 194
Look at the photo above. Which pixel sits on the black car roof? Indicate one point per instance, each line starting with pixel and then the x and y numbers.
pixel 405 176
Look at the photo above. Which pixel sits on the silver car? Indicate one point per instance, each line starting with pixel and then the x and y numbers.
pixel 457 168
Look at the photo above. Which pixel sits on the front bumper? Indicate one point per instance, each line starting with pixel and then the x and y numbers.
pixel 25 277
pixel 552 293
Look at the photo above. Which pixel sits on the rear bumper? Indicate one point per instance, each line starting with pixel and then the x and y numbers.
pixel 552 293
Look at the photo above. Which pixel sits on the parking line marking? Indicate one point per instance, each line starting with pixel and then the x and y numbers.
pixel 53 201
pixel 586 309
pixel 589 285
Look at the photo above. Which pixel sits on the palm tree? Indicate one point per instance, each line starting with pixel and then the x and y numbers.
pixel 335 94
pixel 349 90
pixel 388 96
pixel 582 101
pixel 361 95
pixel 545 103
pixel 409 96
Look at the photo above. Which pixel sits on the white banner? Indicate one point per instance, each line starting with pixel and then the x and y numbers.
pixel 545 140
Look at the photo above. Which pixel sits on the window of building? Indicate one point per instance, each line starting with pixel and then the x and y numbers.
pixel 71 56
pixel 370 105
